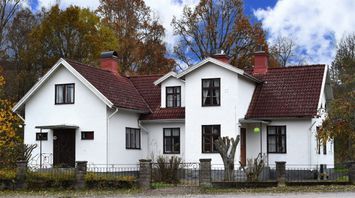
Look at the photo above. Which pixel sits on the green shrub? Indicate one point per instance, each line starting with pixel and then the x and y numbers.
pixel 7 174
pixel 167 169
pixel 52 178
pixel 106 180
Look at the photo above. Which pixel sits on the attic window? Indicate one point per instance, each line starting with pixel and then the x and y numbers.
pixel 173 96
pixel 64 93
pixel 211 92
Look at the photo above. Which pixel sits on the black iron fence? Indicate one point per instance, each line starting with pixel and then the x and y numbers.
pixel 112 171
pixel 243 175
pixel 304 173
pixel 184 174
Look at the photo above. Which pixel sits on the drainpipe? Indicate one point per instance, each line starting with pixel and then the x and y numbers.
pixel 107 132
pixel 310 144
pixel 146 131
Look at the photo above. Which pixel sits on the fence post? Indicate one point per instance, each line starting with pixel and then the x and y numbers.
pixel 205 173
pixel 145 173
pixel 281 173
pixel 80 172
pixel 352 172
pixel 21 174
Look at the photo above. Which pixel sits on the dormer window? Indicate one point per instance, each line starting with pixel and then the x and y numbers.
pixel 211 89
pixel 64 93
pixel 173 96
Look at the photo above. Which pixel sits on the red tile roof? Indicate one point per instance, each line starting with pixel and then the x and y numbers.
pixel 165 113
pixel 287 92
pixel 118 89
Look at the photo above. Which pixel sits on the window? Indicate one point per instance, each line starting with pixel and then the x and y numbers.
pixel 171 140
pixel 133 138
pixel 41 136
pixel 276 139
pixel 210 133
pixel 173 96
pixel 87 135
pixel 64 94
pixel 211 92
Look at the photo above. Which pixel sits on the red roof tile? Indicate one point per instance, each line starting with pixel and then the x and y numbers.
pixel 287 92
pixel 118 89
pixel 165 113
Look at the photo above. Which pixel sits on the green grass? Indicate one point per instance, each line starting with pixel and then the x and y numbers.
pixel 159 185
pixel 162 188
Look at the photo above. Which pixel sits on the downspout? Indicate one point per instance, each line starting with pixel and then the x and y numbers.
pixel 107 132
pixel 310 143
pixel 146 131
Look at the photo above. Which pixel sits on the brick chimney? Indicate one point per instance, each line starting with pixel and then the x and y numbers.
pixel 109 62
pixel 261 62
pixel 221 56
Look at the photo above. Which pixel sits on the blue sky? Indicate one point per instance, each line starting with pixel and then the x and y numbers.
pixel 314 25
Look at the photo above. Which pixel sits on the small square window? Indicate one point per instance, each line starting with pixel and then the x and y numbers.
pixel 41 136
pixel 87 135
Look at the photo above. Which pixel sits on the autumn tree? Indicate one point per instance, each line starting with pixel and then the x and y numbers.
pixel 340 123
pixel 217 25
pixel 9 140
pixel 7 11
pixel 72 33
pixel 19 32
pixel 226 147
pixel 140 47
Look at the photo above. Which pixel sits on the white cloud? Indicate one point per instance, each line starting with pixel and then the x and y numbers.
pixel 315 25
pixel 163 9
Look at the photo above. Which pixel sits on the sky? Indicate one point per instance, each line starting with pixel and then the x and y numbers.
pixel 316 26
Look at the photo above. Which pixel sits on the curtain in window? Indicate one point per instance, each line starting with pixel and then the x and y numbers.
pixel 206 84
pixel 60 94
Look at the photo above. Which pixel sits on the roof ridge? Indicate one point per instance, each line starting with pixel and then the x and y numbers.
pixel 145 75
pixel 298 66
pixel 86 65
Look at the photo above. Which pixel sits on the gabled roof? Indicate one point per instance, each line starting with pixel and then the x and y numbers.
pixel 288 92
pixel 219 63
pixel 166 76
pixel 118 89
pixel 59 63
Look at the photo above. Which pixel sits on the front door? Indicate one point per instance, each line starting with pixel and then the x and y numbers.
pixel 243 152
pixel 64 147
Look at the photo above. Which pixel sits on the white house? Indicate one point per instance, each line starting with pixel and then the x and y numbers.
pixel 77 112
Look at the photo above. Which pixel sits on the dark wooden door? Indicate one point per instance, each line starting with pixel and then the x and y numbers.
pixel 243 153
pixel 64 147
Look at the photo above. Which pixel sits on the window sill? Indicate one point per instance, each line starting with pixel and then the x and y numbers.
pixel 133 148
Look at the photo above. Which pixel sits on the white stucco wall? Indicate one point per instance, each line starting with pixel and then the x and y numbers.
pixel 88 112
pixel 301 144
pixel 117 152
pixel 172 81
pixel 236 93
pixel 155 131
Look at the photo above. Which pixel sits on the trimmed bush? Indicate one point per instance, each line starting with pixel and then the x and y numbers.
pixel 52 178
pixel 106 180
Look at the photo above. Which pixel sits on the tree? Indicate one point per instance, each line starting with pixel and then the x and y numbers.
pixel 73 33
pixel 20 63
pixel 226 147
pixel 140 47
pixel 217 25
pixel 340 123
pixel 283 51
pixel 9 123
pixel 7 11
